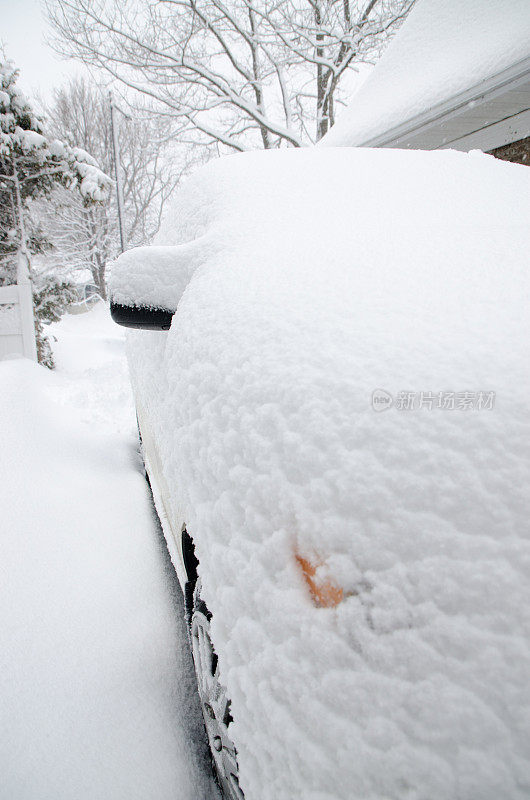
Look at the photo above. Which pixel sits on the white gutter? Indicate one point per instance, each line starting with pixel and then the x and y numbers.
pixel 514 77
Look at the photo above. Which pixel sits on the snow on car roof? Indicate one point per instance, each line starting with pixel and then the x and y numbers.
pixel 444 48
pixel 326 284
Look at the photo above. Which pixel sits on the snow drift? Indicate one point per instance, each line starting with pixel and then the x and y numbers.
pixel 96 685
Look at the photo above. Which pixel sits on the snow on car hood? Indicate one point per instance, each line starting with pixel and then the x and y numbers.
pixel 329 275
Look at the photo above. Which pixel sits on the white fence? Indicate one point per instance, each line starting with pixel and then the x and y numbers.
pixel 17 329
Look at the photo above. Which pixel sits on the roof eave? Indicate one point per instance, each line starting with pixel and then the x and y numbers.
pixel 427 130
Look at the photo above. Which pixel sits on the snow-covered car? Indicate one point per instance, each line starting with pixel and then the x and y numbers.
pixel 333 402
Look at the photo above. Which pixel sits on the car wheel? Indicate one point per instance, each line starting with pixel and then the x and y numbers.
pixel 214 701
pixel 141 452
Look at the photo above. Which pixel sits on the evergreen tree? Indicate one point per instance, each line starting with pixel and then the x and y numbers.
pixel 32 163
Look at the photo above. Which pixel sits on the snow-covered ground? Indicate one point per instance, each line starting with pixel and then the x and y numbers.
pixel 96 683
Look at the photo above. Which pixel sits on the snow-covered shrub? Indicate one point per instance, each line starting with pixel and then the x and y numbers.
pixel 51 296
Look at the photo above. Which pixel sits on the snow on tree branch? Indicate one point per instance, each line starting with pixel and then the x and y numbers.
pixel 25 145
pixel 240 73
pixel 32 164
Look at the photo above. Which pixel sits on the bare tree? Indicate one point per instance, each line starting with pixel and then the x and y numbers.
pixel 88 237
pixel 240 73
pixel 79 238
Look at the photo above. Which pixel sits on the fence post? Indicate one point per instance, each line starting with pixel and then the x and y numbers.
pixel 25 295
pixel 28 323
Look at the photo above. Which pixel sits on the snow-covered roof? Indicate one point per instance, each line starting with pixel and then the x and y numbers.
pixel 456 75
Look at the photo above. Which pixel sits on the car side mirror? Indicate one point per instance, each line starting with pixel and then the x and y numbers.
pixel 146 284
pixel 144 317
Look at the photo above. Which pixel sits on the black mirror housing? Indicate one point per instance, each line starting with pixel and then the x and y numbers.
pixel 141 317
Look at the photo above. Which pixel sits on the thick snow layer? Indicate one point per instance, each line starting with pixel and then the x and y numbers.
pixel 444 48
pixel 96 690
pixel 329 274
pixel 154 276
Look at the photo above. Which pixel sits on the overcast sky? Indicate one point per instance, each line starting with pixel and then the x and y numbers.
pixel 22 33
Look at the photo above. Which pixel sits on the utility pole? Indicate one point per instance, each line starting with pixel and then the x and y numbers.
pixel 117 170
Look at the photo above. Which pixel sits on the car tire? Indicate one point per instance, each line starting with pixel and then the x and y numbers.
pixel 215 704
pixel 141 452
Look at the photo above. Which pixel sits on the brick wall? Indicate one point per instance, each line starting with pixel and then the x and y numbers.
pixel 519 152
